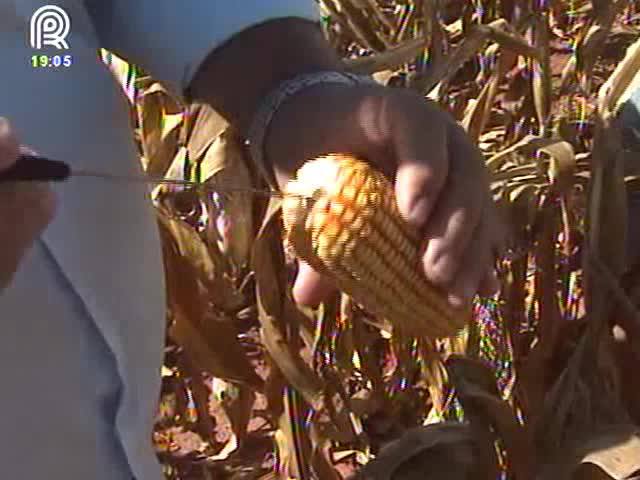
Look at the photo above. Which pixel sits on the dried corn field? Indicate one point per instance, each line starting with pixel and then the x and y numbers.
pixel 540 385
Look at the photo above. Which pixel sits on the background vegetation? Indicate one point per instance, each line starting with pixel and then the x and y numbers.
pixel 542 385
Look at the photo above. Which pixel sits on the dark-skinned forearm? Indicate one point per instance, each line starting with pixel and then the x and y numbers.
pixel 312 122
pixel 328 119
pixel 239 74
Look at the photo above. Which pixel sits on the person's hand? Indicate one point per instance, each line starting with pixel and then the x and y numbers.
pixel 441 183
pixel 25 210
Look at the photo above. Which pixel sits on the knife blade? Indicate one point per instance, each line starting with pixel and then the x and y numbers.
pixel 35 168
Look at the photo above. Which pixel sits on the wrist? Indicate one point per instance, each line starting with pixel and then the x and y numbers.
pixel 327 118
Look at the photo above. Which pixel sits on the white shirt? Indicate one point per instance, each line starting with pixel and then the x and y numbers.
pixel 82 325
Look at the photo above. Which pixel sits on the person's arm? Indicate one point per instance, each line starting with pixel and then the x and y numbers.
pixel 441 184
pixel 440 178
pixel 227 54
pixel 171 40
pixel 237 76
pixel 255 62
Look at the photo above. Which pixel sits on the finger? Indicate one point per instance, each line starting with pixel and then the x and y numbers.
pixel 490 284
pixel 8 144
pixel 311 288
pixel 25 208
pixel 419 142
pixel 25 211
pixel 477 263
pixel 458 212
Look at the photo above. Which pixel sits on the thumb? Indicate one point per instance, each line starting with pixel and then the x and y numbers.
pixel 311 288
pixel 9 148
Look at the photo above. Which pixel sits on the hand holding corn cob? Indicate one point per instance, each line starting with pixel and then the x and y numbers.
pixel 439 178
pixel 340 216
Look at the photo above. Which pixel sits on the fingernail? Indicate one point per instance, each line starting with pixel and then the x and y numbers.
pixel 4 126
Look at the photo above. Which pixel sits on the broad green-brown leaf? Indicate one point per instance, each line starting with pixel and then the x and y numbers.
pixel 542 74
pixel 477 389
pixel 478 117
pixel 159 116
pixel 389 59
pixel 211 341
pixel 276 307
pixel 433 452
pixel 622 83
pixel 231 225
pixel 611 452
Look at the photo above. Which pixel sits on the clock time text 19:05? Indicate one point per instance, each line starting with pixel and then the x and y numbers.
pixel 53 61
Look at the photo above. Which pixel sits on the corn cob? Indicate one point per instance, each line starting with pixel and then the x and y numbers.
pixel 340 216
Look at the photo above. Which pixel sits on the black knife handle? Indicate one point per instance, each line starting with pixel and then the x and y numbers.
pixel 31 168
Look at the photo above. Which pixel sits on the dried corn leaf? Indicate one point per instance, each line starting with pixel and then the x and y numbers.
pixel 125 74
pixel 320 456
pixel 476 387
pixel 527 144
pixel 477 118
pixel 406 19
pixel 435 374
pixel 521 179
pixel 443 72
pixel 607 222
pixel 200 393
pixel 618 457
pixel 202 127
pixel 190 247
pixel 276 309
pixel 542 74
pixel 159 116
pixel 389 59
pixel 509 41
pixel 293 441
pixel 622 83
pixel 468 48
pixel 379 14
pixel 237 404
pixel 545 292
pixel 231 214
pixel 436 34
pixel 591 45
pixel 562 166
pixel 356 21
pixel 611 452
pixel 188 272
pixel 222 357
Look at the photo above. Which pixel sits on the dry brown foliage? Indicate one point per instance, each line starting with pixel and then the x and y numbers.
pixel 541 386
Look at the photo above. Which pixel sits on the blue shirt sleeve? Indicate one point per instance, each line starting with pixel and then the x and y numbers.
pixel 170 39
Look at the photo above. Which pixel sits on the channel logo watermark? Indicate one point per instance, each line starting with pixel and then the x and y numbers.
pixel 49 26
